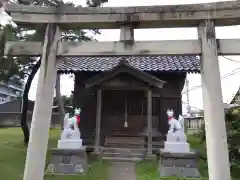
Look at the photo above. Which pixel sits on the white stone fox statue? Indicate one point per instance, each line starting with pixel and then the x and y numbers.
pixel 72 123
pixel 174 124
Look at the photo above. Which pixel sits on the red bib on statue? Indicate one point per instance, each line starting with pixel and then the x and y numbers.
pixel 78 119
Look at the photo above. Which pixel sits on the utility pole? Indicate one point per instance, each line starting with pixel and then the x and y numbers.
pixel 187 91
pixel 238 96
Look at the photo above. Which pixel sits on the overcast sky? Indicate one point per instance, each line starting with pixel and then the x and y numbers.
pixel 230 84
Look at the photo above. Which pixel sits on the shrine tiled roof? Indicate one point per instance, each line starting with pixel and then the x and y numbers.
pixel 143 63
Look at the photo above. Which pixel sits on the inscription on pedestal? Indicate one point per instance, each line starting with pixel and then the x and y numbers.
pixel 64 168
pixel 67 161
pixel 78 168
pixel 69 135
pixel 177 164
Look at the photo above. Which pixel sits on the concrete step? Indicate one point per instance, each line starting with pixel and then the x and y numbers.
pixel 122 159
pixel 158 144
pixel 133 140
pixel 131 146
pixel 123 150
pixel 124 142
pixel 123 154
pixel 106 154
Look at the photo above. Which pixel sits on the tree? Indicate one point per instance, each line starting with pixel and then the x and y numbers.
pixel 232 118
pixel 59 101
pixel 23 119
pixel 71 35
pixel 68 101
pixel 17 69
pixel 12 68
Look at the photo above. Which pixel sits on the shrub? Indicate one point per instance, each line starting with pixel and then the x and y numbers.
pixel 232 118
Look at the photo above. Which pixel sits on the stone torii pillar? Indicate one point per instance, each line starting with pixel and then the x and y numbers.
pixel 127 36
pixel 39 134
pixel 216 138
pixel 3 2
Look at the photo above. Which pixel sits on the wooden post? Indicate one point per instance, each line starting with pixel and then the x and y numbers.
pixel 2 44
pixel 37 148
pixel 149 119
pixel 216 139
pixel 59 100
pixel 98 121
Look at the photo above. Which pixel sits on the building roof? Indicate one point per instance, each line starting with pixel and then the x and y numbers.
pixel 143 63
pixel 229 106
pixel 235 98
pixel 14 106
pixel 124 67
pixel 12 84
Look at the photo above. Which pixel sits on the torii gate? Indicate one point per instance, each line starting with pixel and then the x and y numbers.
pixel 203 16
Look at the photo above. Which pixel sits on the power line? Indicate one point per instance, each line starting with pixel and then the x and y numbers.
pixel 224 76
pixel 188 103
pixel 235 71
pixel 231 73
pixel 191 106
pixel 231 59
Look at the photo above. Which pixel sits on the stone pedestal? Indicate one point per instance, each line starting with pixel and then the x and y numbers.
pixel 178 164
pixel 70 139
pixel 177 147
pixel 70 144
pixel 176 137
pixel 67 161
pixel 176 143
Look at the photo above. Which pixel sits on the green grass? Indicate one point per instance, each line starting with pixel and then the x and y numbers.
pixel 148 169
pixel 13 153
pixel 195 143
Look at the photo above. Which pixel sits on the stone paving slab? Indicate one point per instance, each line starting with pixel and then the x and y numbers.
pixel 122 171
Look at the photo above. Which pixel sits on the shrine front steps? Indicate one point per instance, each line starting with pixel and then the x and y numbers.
pixel 132 142
pixel 123 154
pixel 122 159
pixel 124 142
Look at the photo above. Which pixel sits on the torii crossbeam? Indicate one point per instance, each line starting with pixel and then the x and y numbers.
pixel 223 13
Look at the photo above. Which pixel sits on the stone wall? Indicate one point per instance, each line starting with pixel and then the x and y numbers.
pixel 13 119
